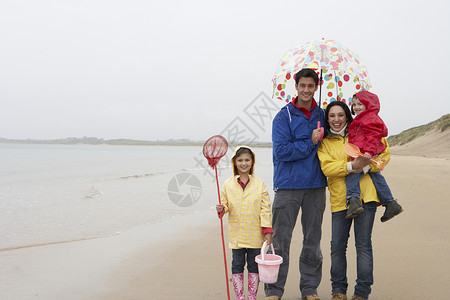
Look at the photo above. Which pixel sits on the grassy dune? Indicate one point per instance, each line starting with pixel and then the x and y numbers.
pixel 441 124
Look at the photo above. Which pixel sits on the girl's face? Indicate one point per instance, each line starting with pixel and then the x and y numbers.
pixel 337 118
pixel 358 107
pixel 244 163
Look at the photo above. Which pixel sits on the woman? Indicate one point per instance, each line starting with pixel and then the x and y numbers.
pixel 336 165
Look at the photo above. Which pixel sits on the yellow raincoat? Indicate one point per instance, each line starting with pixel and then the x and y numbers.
pixel 334 161
pixel 249 210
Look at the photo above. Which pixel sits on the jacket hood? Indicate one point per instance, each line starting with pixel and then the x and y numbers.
pixel 242 146
pixel 233 161
pixel 370 101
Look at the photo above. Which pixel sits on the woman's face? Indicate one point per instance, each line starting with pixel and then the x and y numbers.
pixel 337 118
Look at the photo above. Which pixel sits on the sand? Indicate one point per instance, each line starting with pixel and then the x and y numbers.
pixel 433 144
pixel 182 259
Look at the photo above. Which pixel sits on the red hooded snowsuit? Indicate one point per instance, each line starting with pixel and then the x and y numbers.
pixel 368 128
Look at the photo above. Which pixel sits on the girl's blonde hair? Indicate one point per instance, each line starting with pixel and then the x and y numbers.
pixel 239 151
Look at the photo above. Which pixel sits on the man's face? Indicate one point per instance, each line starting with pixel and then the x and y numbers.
pixel 306 88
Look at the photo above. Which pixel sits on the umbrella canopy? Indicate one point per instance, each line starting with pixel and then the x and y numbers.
pixel 342 71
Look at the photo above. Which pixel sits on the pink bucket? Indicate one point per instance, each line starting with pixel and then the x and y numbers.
pixel 268 265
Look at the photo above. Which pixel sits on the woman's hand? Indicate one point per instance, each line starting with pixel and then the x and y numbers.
pixel 360 162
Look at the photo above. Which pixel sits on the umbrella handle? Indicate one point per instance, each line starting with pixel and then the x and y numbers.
pixel 321 130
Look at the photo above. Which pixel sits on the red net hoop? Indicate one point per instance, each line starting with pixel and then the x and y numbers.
pixel 214 149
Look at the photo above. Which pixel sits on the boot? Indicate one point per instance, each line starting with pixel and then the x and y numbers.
pixel 238 285
pixel 312 297
pixel 354 207
pixel 253 283
pixel 338 296
pixel 392 209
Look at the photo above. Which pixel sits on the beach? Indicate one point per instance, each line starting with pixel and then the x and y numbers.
pixel 181 257
pixel 409 250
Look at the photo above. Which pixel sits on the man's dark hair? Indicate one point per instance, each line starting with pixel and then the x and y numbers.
pixel 309 73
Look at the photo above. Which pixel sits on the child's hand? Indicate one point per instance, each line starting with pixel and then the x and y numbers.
pixel 268 238
pixel 219 208
pixel 367 155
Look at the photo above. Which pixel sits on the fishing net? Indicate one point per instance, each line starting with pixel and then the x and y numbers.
pixel 214 149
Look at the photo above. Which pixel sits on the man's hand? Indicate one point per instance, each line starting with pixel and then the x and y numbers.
pixel 315 136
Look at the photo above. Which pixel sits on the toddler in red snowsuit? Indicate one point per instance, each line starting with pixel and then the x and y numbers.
pixel 366 132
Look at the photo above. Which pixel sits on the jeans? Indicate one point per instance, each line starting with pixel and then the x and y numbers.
pixel 285 209
pixel 238 263
pixel 383 191
pixel 340 232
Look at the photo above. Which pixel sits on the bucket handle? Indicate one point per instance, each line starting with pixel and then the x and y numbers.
pixel 263 249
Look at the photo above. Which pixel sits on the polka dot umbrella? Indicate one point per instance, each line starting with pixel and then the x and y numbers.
pixel 341 72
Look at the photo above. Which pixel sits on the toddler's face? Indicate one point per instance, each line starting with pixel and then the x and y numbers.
pixel 357 106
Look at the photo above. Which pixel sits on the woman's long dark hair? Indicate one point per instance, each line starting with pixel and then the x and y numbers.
pixel 344 106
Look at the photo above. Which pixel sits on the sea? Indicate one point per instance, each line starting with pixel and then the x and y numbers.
pixel 61 193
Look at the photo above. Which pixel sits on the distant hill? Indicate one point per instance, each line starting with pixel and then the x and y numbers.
pixel 441 124
pixel 128 142
pixel 430 140
pixel 98 141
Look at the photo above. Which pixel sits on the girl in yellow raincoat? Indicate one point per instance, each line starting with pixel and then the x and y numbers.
pixel 246 200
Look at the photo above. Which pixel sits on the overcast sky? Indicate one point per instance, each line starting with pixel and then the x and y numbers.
pixel 157 70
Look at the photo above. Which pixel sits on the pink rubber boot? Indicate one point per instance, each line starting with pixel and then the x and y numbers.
pixel 238 284
pixel 253 283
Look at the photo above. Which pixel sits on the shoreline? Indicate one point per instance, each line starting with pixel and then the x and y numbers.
pixel 131 143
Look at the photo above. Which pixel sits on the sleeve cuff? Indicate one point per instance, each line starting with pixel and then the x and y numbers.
pixel 366 169
pixel 349 167
pixel 267 230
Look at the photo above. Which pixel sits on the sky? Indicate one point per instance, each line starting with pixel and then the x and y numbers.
pixel 159 70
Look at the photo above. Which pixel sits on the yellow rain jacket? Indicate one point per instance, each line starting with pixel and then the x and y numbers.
pixel 249 210
pixel 334 161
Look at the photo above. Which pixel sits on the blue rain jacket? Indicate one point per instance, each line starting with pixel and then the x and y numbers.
pixel 296 165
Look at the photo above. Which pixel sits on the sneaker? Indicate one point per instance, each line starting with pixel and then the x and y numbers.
pixel 357 298
pixel 338 296
pixel 312 297
pixel 354 207
pixel 392 209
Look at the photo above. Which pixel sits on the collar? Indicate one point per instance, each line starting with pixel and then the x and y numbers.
pixel 313 105
pixel 342 132
pixel 305 111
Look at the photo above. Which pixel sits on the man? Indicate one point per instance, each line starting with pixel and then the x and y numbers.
pixel 298 183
